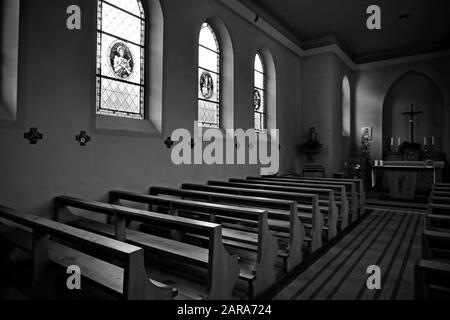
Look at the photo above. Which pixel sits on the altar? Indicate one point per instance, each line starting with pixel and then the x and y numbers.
pixel 403 176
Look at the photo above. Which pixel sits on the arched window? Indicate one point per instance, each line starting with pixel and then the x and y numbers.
pixel 259 95
pixel 121 58
pixel 346 108
pixel 9 60
pixel 208 78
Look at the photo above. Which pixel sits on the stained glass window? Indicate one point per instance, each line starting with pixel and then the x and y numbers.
pixel 208 78
pixel 259 95
pixel 120 58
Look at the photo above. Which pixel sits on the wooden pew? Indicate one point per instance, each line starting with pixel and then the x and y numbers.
pixel 330 226
pixel 432 273
pixel 259 274
pixel 436 246
pixel 125 278
pixel 438 217
pixel 442 185
pixel 432 280
pixel 441 189
pixel 315 217
pixel 439 200
pixel 222 269
pixel 435 222
pixel 292 254
pixel 332 198
pixel 360 191
pixel 356 199
pixel 439 209
pixel 440 193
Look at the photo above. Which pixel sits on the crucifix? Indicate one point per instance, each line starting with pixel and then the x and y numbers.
pixel 411 115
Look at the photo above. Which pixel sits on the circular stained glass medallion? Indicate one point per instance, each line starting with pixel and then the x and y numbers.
pixel 121 60
pixel 206 85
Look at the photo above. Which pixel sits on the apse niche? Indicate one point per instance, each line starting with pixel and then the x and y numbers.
pixel 413 88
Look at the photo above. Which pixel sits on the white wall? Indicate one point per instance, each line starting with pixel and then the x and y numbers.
pixel 373 85
pixel 56 95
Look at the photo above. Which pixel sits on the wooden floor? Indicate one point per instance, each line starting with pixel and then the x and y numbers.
pixel 389 239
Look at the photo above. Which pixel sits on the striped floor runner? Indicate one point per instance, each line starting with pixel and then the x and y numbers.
pixel 388 239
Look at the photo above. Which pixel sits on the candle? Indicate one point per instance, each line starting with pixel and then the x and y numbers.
pixel 432 140
pixel 425 141
pixel 392 141
pixel 399 142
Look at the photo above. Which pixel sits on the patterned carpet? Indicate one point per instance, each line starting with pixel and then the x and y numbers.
pixel 388 239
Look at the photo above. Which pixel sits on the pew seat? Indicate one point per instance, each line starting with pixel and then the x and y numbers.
pixel 436 246
pixel 331 213
pixel 354 199
pixel 332 198
pixel 438 208
pixel 435 222
pixel 267 245
pixel 125 279
pixel 292 238
pixel 432 280
pixel 221 270
pixel 440 200
pixel 314 216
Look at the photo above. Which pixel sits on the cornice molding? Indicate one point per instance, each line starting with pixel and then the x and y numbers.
pixel 249 15
pixel 402 60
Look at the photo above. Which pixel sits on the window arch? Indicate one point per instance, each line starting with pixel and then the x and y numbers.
pixel 346 107
pixel 121 61
pixel 209 84
pixel 9 61
pixel 259 95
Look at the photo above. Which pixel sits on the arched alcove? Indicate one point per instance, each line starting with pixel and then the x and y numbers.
pixel 346 107
pixel 413 88
pixel 271 87
pixel 155 62
pixel 9 59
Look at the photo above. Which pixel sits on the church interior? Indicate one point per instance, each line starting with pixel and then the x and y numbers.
pixel 224 150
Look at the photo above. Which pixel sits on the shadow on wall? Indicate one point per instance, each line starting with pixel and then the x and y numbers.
pixel 413 88
pixel 2 27
pixel 2 10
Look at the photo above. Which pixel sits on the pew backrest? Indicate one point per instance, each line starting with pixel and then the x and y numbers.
pixel 211 209
pixel 439 209
pixel 223 269
pixel 296 229
pixel 312 199
pixel 334 194
pixel 136 284
pixel 357 189
pixel 359 184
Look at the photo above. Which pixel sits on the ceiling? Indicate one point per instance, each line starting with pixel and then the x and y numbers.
pixel 314 23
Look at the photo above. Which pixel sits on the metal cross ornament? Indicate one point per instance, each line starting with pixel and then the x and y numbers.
pixel 33 135
pixel 83 138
